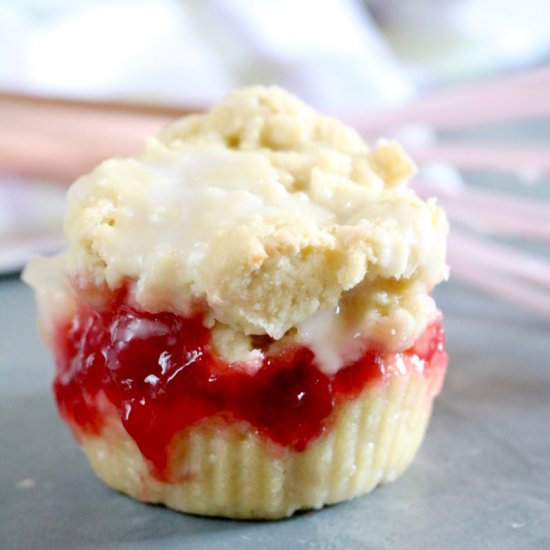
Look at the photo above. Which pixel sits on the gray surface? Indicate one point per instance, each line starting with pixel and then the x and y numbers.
pixel 482 479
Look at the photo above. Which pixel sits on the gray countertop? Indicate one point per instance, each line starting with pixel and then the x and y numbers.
pixel 481 480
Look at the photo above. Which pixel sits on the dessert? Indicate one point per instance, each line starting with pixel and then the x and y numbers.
pixel 242 323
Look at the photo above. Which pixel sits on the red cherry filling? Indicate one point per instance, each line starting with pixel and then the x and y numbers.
pixel 159 371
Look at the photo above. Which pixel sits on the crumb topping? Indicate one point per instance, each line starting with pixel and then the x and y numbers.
pixel 280 220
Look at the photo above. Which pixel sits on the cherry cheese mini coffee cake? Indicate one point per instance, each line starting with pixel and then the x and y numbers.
pixel 242 323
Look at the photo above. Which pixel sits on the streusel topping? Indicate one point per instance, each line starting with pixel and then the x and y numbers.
pixel 282 222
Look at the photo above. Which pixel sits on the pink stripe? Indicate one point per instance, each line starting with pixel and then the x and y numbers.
pixel 505 288
pixel 472 195
pixel 512 283
pixel 505 98
pixel 501 258
pixel 519 159
pixel 507 107
pixel 492 212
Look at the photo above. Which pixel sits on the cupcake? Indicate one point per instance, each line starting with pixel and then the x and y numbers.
pixel 242 323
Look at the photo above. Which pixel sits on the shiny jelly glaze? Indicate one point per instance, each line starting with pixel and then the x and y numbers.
pixel 160 373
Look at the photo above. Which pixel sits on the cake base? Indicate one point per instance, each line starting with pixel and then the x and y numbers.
pixel 220 469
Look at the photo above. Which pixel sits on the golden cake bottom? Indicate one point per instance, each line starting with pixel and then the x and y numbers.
pixel 227 470
pixel 165 420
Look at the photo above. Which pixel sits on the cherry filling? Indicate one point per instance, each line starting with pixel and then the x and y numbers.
pixel 161 374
